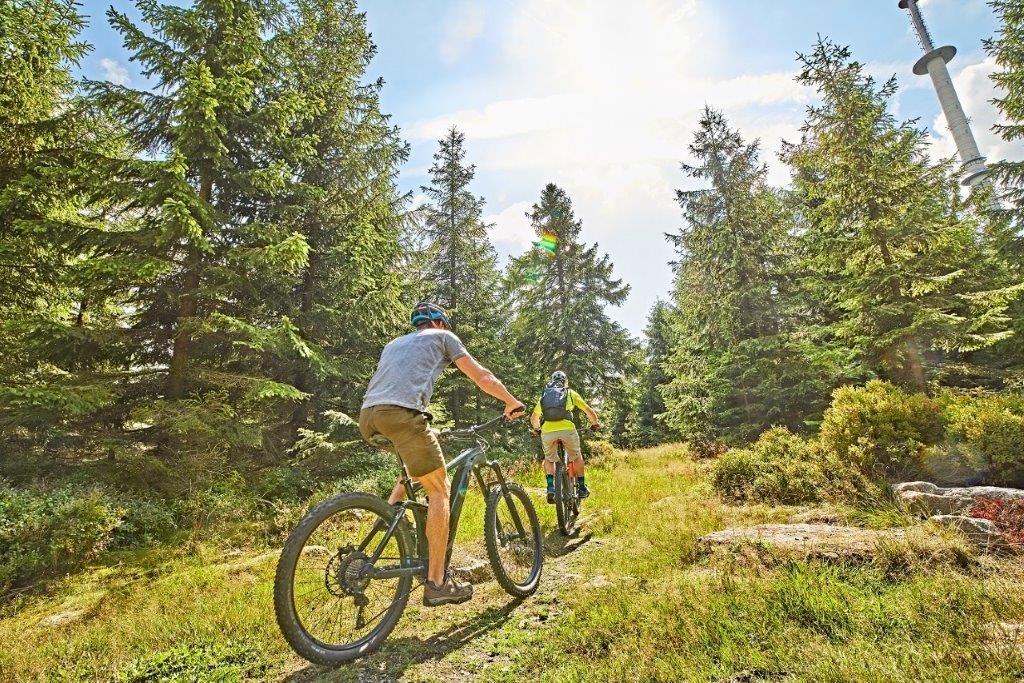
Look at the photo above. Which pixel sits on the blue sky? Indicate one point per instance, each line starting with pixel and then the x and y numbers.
pixel 602 96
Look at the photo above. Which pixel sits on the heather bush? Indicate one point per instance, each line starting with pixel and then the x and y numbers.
pixel 779 467
pixel 47 532
pixel 879 428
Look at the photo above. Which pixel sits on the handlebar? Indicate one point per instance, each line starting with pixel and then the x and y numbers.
pixel 588 428
pixel 470 432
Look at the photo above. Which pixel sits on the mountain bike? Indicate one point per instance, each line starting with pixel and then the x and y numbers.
pixel 347 569
pixel 567 495
pixel 568 503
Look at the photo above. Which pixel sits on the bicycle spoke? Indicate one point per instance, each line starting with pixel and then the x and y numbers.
pixel 515 549
pixel 332 594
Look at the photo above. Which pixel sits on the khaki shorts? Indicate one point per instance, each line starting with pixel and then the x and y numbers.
pixel 409 431
pixel 570 438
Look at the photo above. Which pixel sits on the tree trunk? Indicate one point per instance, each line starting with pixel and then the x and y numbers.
pixel 303 379
pixel 187 309
pixel 914 368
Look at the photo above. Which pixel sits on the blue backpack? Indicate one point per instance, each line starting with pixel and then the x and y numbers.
pixel 554 404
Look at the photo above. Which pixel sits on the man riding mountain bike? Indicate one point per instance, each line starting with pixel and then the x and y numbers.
pixel 553 417
pixel 396 407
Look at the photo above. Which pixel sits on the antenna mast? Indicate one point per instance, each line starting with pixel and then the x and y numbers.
pixel 934 63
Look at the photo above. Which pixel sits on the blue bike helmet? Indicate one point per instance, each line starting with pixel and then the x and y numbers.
pixel 425 312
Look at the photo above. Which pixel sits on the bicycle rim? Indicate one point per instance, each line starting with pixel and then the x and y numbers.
pixel 513 539
pixel 326 610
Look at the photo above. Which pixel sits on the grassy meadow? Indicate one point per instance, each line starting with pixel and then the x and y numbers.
pixel 631 598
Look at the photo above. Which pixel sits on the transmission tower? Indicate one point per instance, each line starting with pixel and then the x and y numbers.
pixel 934 63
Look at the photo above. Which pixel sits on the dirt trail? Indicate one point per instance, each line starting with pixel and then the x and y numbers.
pixel 461 643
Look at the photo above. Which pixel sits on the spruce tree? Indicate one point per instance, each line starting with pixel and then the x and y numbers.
pixel 345 302
pixel 461 271
pixel 52 383
pixel 646 426
pixel 561 297
pixel 737 366
pixel 1007 48
pixel 213 147
pixel 1006 225
pixel 886 248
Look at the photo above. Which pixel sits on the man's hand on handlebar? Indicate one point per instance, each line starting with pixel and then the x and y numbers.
pixel 596 427
pixel 514 409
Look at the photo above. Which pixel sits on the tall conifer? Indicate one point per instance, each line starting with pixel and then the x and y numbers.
pixel 561 298
pixel 887 248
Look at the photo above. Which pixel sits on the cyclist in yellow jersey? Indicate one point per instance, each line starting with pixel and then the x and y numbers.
pixel 553 418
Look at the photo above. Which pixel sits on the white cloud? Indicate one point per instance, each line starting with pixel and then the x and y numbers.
pixel 418 201
pixel 115 72
pixel 464 25
pixel 510 228
pixel 602 97
pixel 976 91
pixel 609 95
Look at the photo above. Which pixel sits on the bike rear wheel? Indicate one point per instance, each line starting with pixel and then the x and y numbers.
pixel 513 539
pixel 566 503
pixel 328 610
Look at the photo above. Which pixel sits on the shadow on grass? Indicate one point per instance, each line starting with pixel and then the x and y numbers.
pixel 398 654
pixel 557 545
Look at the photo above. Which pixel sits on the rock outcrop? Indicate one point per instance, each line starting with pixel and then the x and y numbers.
pixel 925 499
pixel 818 541
pixel 981 532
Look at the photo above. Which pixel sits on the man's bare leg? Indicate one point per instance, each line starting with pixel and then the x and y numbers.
pixel 397 493
pixel 435 484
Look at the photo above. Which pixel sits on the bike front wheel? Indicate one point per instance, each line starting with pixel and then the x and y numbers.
pixel 330 611
pixel 513 539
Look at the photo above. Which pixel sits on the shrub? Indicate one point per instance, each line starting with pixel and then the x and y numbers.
pixel 598 450
pixel 779 467
pixel 1000 440
pixel 879 428
pixel 990 428
pixel 146 521
pixel 44 532
pixel 953 464
pixel 735 471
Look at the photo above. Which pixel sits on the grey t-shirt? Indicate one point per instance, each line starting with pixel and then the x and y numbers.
pixel 409 366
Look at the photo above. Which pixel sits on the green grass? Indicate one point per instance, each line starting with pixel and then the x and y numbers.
pixel 633 598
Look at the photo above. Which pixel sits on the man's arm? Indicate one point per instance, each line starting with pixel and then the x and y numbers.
pixel 489 384
pixel 591 413
pixel 535 419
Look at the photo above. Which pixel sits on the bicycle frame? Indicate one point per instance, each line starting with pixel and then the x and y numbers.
pixel 464 465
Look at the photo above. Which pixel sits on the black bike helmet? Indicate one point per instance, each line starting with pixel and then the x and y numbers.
pixel 425 312
pixel 558 379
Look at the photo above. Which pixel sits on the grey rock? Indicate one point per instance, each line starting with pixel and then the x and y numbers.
pixel 820 541
pixel 981 532
pixel 926 499
pixel 975 492
pixel 928 504
pixel 63 618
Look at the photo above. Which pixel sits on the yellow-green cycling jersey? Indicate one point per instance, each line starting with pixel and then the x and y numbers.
pixel 572 402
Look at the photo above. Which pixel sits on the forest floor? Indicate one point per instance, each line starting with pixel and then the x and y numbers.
pixel 633 596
